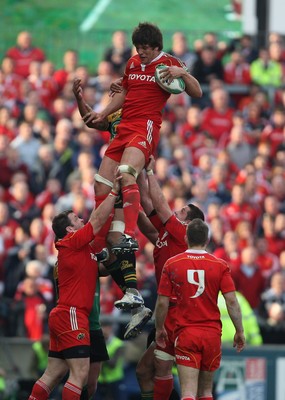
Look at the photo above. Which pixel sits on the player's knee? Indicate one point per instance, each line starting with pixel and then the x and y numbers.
pixel 92 387
pixel 144 372
pixel 113 237
pixel 102 185
pixel 129 174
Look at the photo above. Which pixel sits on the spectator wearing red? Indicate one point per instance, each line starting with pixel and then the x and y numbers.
pixel 223 157
pixel 34 313
pixel 41 80
pixel 50 194
pixel 217 119
pixel 269 262
pixel 230 252
pixel 24 53
pixel 35 269
pixel 245 235
pixel 273 132
pixel 7 123
pixel 192 132
pixel 22 205
pixel 11 83
pixel 275 242
pixel 248 278
pixel 236 71
pixel 239 209
pixel 67 73
pixel 255 189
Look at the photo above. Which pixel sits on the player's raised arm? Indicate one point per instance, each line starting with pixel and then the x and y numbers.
pixel 84 108
pixel 158 200
pixel 115 104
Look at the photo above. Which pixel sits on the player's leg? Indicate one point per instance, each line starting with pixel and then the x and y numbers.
pixel 54 373
pixel 188 378
pixel 145 373
pixel 132 163
pixel 102 187
pixel 98 354
pixel 211 358
pixel 205 385
pixel 163 379
pixel 78 374
pixel 91 386
pixel 124 269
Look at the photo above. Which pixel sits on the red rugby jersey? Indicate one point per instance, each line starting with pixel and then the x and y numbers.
pixel 196 277
pixel 144 98
pixel 77 269
pixel 170 241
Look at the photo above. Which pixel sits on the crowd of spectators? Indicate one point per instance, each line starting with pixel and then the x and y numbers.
pixel 224 152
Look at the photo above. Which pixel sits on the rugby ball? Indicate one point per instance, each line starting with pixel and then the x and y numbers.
pixel 175 87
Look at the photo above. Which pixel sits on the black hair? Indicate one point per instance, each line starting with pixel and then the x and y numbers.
pixel 197 233
pixel 147 34
pixel 60 222
pixel 195 212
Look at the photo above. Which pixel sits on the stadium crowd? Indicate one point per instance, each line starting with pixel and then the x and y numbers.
pixel 224 152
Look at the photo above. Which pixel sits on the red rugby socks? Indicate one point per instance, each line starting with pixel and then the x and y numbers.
pixel 71 392
pixel 40 391
pixel 131 204
pixel 163 386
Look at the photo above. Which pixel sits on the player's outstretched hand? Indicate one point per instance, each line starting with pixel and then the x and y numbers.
pixel 92 117
pixel 77 89
pixel 117 181
pixel 160 337
pixel 116 87
pixel 239 341
pixel 151 163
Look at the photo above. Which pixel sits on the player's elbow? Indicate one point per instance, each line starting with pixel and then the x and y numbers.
pixel 197 93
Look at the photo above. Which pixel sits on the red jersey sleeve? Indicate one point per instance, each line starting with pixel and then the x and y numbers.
pixel 176 229
pixel 78 239
pixel 156 222
pixel 165 285
pixel 227 283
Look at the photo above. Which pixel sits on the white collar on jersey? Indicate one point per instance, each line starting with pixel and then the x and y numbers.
pixel 155 59
pixel 196 251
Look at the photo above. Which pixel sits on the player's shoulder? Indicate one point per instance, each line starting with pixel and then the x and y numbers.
pixel 133 62
pixel 218 260
pixel 170 60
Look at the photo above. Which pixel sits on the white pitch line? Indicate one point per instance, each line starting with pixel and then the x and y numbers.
pixel 94 15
